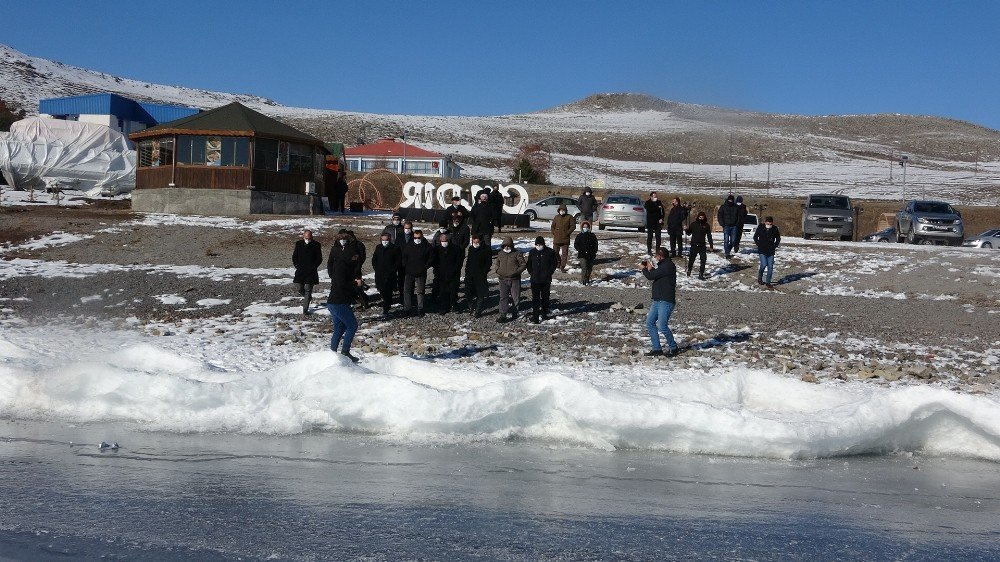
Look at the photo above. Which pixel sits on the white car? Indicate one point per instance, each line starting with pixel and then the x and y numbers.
pixel 750 225
pixel 988 239
pixel 548 207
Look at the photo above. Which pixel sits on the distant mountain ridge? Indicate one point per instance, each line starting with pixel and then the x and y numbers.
pixel 628 140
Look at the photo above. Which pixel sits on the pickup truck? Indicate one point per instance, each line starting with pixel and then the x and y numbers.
pixel 929 221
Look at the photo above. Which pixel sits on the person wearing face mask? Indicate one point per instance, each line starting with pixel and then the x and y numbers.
pixel 586 249
pixel 343 290
pixel 460 234
pixel 542 263
pixel 481 218
pixel 729 219
pixel 456 208
pixel 509 265
pixel 675 226
pixel 358 247
pixel 587 205
pixel 418 257
pixel 741 219
pixel 563 225
pixel 306 258
pixel 767 239
pixel 664 277
pixel 701 235
pixel 448 259
pixel 387 259
pixel 395 230
pixel 403 243
pixel 477 267
pixel 654 221
pixel 496 203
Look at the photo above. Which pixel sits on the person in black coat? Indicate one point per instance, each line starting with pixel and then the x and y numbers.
pixel 701 234
pixel 418 257
pixel 343 290
pixel 586 249
pixel 587 204
pixel 675 226
pixel 348 242
pixel 496 202
pixel 654 221
pixel 395 230
pixel 729 219
pixel 542 263
pixel 456 208
pixel 767 239
pixel 387 259
pixel 741 219
pixel 481 218
pixel 664 277
pixel 459 234
pixel 477 267
pixel 306 257
pixel 448 259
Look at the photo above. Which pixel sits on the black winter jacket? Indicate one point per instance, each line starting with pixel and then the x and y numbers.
pixel 307 258
pixel 767 239
pixel 418 258
pixel 341 268
pixel 542 264
pixel 395 233
pixel 587 204
pixel 450 211
pixel 676 218
pixel 481 219
pixel 448 262
pixel 664 278
pixel 728 215
pixel 479 262
pixel 654 212
pixel 387 261
pixel 586 245
pixel 701 234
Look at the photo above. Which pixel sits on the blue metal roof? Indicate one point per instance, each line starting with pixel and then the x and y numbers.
pixel 112 104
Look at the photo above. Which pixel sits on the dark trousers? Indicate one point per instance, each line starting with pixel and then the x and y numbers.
pixel 676 241
pixel 540 293
pixel 586 268
pixel 476 291
pixel 700 252
pixel 652 231
pixel 306 291
pixel 448 294
pixel 736 239
pixel 386 294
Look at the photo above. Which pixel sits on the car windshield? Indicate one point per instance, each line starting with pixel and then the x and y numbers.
pixel 829 202
pixel 992 232
pixel 933 207
pixel 751 219
pixel 622 200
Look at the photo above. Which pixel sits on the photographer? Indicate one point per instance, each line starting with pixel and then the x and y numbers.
pixel 664 278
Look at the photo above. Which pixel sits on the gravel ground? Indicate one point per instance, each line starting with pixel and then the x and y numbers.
pixel 725 321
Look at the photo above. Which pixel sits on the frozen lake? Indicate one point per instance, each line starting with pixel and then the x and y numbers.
pixel 351 496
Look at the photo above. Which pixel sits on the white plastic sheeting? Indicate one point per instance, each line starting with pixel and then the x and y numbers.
pixel 85 156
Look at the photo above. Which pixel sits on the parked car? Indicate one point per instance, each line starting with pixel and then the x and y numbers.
pixel 929 221
pixel 988 239
pixel 884 235
pixel 750 224
pixel 829 216
pixel 622 209
pixel 548 207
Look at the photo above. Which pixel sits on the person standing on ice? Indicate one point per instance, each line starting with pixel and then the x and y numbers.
pixel 542 263
pixel 701 235
pixel 509 265
pixel 306 258
pixel 344 284
pixel 664 278
pixel 767 239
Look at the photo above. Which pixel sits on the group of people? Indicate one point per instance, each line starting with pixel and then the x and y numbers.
pixel 462 245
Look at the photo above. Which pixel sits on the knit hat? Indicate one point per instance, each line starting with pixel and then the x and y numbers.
pixel 540 240
pixel 729 198
pixel 739 199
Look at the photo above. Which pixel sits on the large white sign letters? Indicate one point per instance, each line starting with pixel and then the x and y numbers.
pixel 418 195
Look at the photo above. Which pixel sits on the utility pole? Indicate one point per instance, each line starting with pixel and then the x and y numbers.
pixel 730 157
pixel 768 188
pixel 403 168
pixel 892 162
pixel 976 172
pixel 902 162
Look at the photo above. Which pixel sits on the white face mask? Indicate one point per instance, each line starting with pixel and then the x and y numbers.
pixel 507 250
pixel 475 244
pixel 653 198
pixel 417 240
pixel 588 193
pixel 767 225
pixel 444 244
pixel 395 223
pixel 586 229
pixel 539 247
pixel 307 240
pixel 408 230
pixel 456 224
pixel 343 241
pixel 562 212
pixel 385 243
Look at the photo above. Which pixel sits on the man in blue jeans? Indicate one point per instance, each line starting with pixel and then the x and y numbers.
pixel 767 239
pixel 664 278
pixel 729 219
pixel 344 281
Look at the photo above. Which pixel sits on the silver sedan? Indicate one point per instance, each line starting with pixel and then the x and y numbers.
pixel 548 207
pixel 988 239
pixel 622 209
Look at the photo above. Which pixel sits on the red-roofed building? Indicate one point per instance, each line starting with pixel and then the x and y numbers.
pixel 395 156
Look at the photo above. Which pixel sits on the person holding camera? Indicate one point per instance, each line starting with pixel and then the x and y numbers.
pixel 675 226
pixel 664 278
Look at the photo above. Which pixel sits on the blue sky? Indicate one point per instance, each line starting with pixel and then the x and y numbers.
pixel 488 58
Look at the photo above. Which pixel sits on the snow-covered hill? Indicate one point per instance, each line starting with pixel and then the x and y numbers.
pixel 631 141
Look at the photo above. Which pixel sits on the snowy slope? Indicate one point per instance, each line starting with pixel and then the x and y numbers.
pixel 631 141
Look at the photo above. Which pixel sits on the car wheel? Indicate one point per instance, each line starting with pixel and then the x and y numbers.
pixel 846 238
pixel 642 229
pixel 883 239
pixel 577 216
pixel 807 236
pixel 600 226
pixel 532 215
pixel 911 237
pixel 986 245
pixel 899 234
